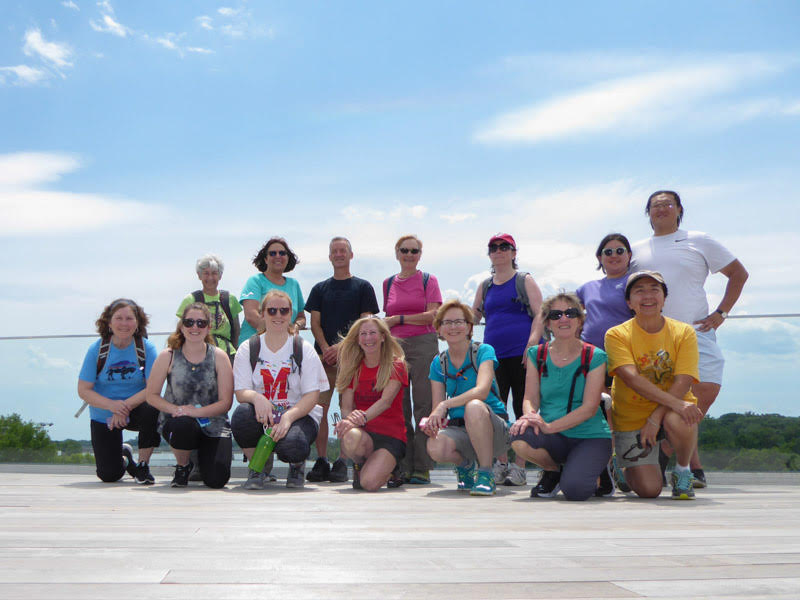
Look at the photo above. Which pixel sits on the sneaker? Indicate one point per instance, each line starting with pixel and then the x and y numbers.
pixel 338 472
pixel 682 485
pixel 295 477
pixel 396 479
pixel 500 470
pixel 515 475
pixel 181 477
pixel 143 474
pixel 548 485
pixel 484 484
pixel 420 477
pixel 320 470
pixel 255 480
pixel 466 477
pixel 130 464
pixel 699 478
pixel 619 476
pixel 606 487
pixel 268 476
pixel 357 476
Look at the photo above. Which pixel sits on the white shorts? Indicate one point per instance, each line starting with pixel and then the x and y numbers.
pixel 711 359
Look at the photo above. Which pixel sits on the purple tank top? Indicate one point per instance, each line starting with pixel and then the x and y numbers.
pixel 508 324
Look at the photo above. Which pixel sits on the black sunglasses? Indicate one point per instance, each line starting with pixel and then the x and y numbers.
pixel 407 250
pixel 501 247
pixel 610 251
pixel 201 323
pixel 284 310
pixel 637 451
pixel 570 313
pixel 277 253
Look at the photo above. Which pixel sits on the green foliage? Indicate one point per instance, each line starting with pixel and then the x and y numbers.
pixel 750 442
pixel 70 446
pixel 23 435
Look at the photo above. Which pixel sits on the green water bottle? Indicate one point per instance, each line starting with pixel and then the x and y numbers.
pixel 262 452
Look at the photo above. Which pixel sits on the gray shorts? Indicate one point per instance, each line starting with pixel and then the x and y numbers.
pixel 459 435
pixel 629 454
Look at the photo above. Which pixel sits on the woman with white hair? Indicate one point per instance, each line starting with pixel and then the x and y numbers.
pixel 224 307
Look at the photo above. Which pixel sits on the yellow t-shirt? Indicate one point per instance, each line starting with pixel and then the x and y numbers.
pixel 657 356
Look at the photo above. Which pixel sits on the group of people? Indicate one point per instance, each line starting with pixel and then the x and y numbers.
pixel 403 403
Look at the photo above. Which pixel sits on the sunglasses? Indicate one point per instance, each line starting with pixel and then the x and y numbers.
pixel 407 250
pixel 570 313
pixel 501 247
pixel 610 251
pixel 201 323
pixel 284 310
pixel 277 253
pixel 637 451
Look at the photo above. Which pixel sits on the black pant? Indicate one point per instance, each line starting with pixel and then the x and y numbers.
pixel 107 443
pixel 510 375
pixel 292 448
pixel 214 453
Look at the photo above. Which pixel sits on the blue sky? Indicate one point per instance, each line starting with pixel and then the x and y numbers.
pixel 137 136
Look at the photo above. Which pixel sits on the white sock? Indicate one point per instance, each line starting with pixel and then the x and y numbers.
pixel 681 468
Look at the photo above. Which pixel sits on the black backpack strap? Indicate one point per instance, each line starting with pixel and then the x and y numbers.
pixel 225 303
pixel 102 355
pixel 587 352
pixel 425 277
pixel 199 296
pixel 297 351
pixel 387 285
pixel 141 354
pixel 541 359
pixel 254 344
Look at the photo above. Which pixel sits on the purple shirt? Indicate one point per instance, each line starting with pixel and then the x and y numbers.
pixel 508 324
pixel 604 300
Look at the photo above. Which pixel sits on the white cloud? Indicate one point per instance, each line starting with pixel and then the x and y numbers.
pixel 70 4
pixel 22 75
pixel 40 359
pixel 53 53
pixel 169 41
pixel 105 6
pixel 792 109
pixel 227 11
pixel 458 217
pixel 23 169
pixel 198 50
pixel 110 25
pixel 204 21
pixel 630 104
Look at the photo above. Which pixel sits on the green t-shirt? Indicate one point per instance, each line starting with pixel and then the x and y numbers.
pixel 220 326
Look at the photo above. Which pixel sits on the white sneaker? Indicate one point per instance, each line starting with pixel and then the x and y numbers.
pixel 515 475
pixel 500 470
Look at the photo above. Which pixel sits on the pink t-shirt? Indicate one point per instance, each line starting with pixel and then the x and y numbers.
pixel 409 297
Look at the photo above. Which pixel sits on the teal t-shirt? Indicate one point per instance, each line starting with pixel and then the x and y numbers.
pixel 469 377
pixel 554 393
pixel 257 287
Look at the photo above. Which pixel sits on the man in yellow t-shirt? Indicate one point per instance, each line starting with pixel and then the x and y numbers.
pixel 654 363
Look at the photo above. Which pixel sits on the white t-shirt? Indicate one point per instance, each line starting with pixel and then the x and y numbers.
pixel 277 377
pixel 685 259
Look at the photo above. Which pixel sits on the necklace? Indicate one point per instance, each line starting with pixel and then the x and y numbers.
pixel 566 357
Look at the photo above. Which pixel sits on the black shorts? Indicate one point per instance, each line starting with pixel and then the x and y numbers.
pixel 396 448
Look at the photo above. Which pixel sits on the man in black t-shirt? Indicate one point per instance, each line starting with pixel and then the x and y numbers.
pixel 335 304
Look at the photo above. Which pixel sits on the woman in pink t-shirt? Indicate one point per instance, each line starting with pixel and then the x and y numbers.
pixel 410 301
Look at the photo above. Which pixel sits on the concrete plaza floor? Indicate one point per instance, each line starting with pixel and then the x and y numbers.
pixel 66 535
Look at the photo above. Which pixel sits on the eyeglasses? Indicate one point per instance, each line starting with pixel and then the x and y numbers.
pixel 407 250
pixel 456 322
pixel 570 313
pixel 611 251
pixel 277 253
pixel 505 247
pixel 201 323
pixel 662 205
pixel 284 310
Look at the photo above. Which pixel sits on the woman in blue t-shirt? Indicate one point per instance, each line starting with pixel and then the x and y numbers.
pixel 468 422
pixel 112 382
pixel 562 429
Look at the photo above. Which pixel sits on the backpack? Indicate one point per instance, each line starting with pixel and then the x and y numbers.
pixel 587 352
pixel 254 343
pixel 105 346
pixel 519 287
pixel 387 285
pixel 473 362
pixel 225 304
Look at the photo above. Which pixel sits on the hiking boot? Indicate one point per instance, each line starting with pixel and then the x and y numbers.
pixel 396 479
pixel 357 476
pixel 548 486
pixel 295 479
pixel 255 480
pixel 500 470
pixel 181 477
pixel 515 475
pixel 338 472
pixel 466 477
pixel 143 474
pixel 606 487
pixel 420 477
pixel 619 476
pixel 320 470
pixel 130 464
pixel 699 479
pixel 484 484
pixel 682 485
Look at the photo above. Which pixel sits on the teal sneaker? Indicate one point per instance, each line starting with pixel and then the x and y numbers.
pixel 484 484
pixel 466 477
pixel 682 485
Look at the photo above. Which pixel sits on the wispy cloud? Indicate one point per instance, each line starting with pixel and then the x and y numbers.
pixel 204 22
pixel 22 75
pixel 199 50
pixel 631 104
pixel 23 169
pixel 227 11
pixel 52 53
pixel 70 4
pixel 458 217
pixel 108 24
pixel 40 359
pixel 239 23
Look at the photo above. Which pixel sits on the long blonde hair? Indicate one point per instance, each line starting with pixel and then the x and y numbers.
pixel 351 355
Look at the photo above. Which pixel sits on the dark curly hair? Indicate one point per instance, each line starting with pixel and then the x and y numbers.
pixel 260 259
pixel 104 322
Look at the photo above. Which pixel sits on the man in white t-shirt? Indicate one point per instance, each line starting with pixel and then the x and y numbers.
pixel 685 259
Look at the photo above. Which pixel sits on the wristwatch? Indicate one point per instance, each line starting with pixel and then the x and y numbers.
pixel 723 313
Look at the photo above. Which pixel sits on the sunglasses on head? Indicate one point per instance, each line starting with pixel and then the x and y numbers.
pixel 284 310
pixel 570 313
pixel 201 323
pixel 504 247
pixel 610 251
pixel 277 253
pixel 407 250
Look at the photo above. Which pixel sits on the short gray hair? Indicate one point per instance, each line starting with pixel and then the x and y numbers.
pixel 340 238
pixel 210 261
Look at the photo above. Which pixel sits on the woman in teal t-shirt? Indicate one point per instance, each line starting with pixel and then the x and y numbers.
pixel 562 429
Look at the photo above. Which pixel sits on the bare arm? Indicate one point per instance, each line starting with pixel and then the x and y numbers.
pixel 155 383
pixel 423 318
pixel 476 305
pixel 737 276
pixel 251 314
pixel 360 417
pixel 483 384
pixel 535 299
pixel 307 403
pixel 300 320
pixel 672 399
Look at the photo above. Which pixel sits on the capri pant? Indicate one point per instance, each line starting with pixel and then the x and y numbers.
pixel 294 447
